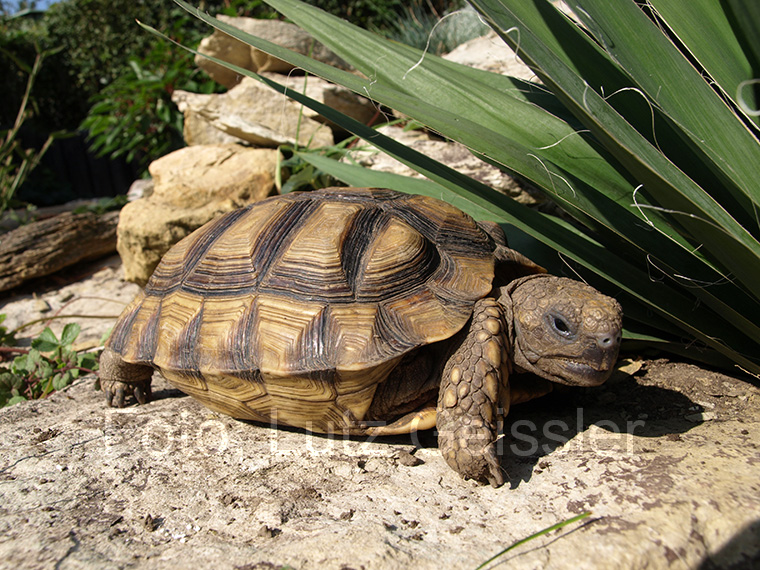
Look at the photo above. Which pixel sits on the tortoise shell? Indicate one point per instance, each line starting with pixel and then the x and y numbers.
pixel 295 308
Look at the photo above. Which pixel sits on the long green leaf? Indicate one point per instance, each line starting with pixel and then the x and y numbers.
pixel 722 37
pixel 728 242
pixel 504 149
pixel 677 307
pixel 358 176
pixel 658 68
pixel 506 131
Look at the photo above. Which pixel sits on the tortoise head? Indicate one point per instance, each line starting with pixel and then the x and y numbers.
pixel 563 330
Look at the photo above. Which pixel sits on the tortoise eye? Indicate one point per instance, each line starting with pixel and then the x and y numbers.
pixel 561 326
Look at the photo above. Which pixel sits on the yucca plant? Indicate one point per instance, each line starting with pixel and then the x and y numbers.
pixel 642 129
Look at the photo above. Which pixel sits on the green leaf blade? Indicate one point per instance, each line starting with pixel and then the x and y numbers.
pixel 643 213
pixel 70 333
pixel 47 341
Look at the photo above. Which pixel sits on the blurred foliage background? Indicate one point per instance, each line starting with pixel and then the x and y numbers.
pixel 112 82
pixel 112 79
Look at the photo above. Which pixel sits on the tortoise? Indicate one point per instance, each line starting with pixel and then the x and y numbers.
pixel 361 311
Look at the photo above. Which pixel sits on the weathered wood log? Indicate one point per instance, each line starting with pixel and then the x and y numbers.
pixel 44 247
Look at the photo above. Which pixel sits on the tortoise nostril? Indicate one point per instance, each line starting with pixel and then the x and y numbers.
pixel 607 340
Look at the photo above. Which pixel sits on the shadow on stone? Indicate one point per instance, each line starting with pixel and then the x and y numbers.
pixel 533 430
pixel 620 408
pixel 742 552
pixel 167 394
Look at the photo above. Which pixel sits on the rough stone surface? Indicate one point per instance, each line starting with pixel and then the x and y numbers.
pixel 191 186
pixel 335 96
pixel 96 290
pixel 250 112
pixel 490 53
pixel 227 48
pixel 451 154
pixel 196 129
pixel 665 455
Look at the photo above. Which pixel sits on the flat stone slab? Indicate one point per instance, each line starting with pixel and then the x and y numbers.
pixel 665 456
pixel 669 472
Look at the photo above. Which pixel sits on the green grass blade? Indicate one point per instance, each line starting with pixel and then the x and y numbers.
pixel 533 536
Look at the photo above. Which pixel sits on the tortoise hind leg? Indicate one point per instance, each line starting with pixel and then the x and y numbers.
pixel 119 379
pixel 474 382
pixel 408 423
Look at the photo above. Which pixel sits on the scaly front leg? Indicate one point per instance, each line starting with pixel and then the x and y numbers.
pixel 474 382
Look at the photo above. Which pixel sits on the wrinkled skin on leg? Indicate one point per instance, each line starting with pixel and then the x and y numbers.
pixel 474 386
pixel 119 379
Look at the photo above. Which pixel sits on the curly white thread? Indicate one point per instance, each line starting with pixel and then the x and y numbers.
pixel 429 39
pixel 742 102
pixel 553 174
pixel 563 138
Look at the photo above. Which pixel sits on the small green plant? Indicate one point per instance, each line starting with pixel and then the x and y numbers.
pixel 50 364
pixel 7 337
pixel 16 163
pixel 365 13
pixel 420 28
pixel 305 175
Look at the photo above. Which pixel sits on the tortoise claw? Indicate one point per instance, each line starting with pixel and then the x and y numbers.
pixel 118 392
pixel 115 396
pixel 494 473
pixel 143 393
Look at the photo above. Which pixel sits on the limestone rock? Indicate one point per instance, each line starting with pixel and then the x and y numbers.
pixel 227 48
pixel 196 129
pixel 490 53
pixel 191 186
pixel 170 483
pixel 94 288
pixel 335 96
pixel 452 154
pixel 250 112
pixel 140 188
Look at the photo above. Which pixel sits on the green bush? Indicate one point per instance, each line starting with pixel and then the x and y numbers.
pixel 17 162
pixel 401 20
pixel 365 13
pixel 108 73
pixel 649 142
pixel 433 32
pixel 116 82
pixel 99 37
pixel 21 39
pixel 134 115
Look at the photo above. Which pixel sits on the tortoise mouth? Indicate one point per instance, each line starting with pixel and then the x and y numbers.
pixel 575 372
